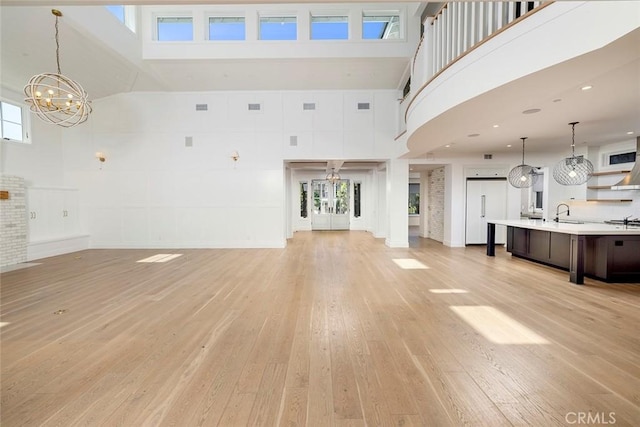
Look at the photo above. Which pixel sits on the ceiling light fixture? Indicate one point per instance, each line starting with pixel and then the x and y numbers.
pixel 523 176
pixel 586 87
pixel 574 170
pixel 630 132
pixel 532 111
pixel 55 98
pixel 334 176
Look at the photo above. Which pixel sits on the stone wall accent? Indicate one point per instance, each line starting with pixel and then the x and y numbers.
pixel 435 216
pixel 13 221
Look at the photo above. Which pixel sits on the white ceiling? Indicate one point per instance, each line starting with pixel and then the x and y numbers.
pixel 606 112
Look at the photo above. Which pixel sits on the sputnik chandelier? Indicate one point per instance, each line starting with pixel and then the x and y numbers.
pixel 55 98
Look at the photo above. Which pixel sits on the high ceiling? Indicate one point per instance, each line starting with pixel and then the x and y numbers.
pixel 606 112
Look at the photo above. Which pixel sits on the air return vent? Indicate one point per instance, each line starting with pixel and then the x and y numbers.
pixel 254 107
pixel 309 106
pixel 364 106
pixel 202 107
pixel 488 156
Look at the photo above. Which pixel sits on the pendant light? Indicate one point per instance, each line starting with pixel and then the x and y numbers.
pixel 333 177
pixel 523 176
pixel 574 170
pixel 55 98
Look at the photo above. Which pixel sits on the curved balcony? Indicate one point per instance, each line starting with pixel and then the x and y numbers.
pixel 480 63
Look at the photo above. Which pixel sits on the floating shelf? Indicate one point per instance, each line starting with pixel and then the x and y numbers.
pixel 610 200
pixel 610 173
pixel 599 187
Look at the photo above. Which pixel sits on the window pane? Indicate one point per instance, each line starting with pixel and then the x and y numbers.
pixel 175 29
pixel 303 199
pixel 414 199
pixel 117 11
pixel 278 28
pixel 356 199
pixel 226 28
pixel 329 28
pixel 11 113
pixel 381 26
pixel 12 131
pixel 11 118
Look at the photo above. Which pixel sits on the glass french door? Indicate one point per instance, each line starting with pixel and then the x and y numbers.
pixel 330 205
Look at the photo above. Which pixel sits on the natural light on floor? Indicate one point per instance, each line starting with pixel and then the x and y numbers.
pixel 448 291
pixel 160 258
pixel 496 326
pixel 3 324
pixel 409 264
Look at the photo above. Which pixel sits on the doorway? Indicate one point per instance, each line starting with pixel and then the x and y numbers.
pixel 330 205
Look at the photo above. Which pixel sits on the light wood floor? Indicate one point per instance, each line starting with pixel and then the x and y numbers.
pixel 329 331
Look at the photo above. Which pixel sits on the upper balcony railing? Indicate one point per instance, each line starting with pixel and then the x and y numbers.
pixel 457 29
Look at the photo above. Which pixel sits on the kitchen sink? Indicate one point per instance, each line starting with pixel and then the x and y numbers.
pixel 570 221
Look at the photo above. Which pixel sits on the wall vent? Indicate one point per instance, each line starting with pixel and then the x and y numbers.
pixel 309 106
pixel 202 107
pixel 293 141
pixel 188 141
pixel 364 106
pixel 488 156
pixel 254 107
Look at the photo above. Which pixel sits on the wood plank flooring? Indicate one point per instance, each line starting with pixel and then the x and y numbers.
pixel 327 332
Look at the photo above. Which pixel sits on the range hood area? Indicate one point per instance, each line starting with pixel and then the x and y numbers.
pixel 632 180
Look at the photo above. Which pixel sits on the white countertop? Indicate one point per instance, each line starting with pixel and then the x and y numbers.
pixel 589 228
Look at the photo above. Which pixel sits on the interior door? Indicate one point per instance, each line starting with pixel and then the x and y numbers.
pixel 486 199
pixel 330 205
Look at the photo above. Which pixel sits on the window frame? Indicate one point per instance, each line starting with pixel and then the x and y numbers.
pixel 283 16
pixel 156 28
pixel 25 125
pixel 129 14
pixel 372 13
pixel 320 14
pixel 226 16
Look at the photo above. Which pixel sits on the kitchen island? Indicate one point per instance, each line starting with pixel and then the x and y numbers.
pixel 603 251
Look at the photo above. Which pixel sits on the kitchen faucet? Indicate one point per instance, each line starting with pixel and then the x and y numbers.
pixel 557 218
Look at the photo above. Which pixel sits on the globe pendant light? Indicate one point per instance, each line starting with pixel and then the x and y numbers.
pixel 574 170
pixel 523 176
pixel 55 98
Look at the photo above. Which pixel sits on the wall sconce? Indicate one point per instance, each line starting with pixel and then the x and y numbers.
pixel 101 158
pixel 235 156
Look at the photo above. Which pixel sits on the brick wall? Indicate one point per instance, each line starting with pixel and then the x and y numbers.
pixel 435 217
pixel 13 221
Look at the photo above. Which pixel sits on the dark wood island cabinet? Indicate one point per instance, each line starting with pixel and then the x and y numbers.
pixel 601 251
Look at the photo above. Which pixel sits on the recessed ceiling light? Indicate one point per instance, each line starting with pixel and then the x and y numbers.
pixel 508 145
pixel 496 126
pixel 557 100
pixel 532 111
pixel 630 132
pixel 586 87
pixel 473 135
pixel 447 146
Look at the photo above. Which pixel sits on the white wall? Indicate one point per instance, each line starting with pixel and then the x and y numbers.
pixel 154 191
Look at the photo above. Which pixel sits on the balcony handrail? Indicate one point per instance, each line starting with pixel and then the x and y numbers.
pixel 467 51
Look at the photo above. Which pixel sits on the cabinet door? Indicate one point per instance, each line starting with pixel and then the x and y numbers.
pixel 70 213
pixel 55 213
pixel 36 214
pixel 539 245
pixel 486 199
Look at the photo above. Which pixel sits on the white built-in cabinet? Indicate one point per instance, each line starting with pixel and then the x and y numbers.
pixel 486 200
pixel 53 222
pixel 52 213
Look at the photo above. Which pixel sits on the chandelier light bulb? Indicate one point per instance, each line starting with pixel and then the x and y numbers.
pixel 572 174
